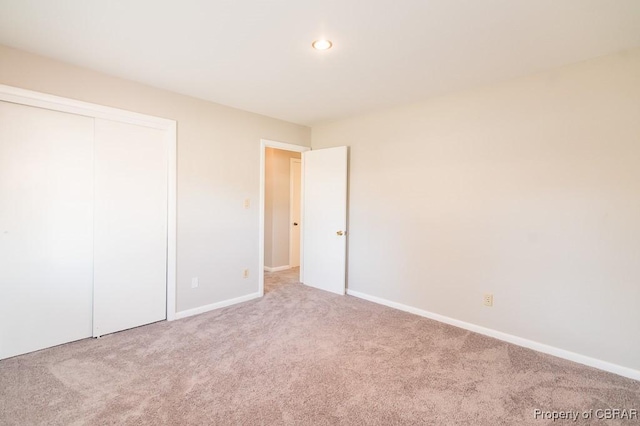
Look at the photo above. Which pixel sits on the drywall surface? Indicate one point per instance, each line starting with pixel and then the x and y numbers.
pixel 277 200
pixel 218 168
pixel 528 189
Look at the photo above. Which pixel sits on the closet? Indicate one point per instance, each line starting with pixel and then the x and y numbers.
pixel 87 220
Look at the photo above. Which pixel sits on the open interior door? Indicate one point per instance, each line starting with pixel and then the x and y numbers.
pixel 324 220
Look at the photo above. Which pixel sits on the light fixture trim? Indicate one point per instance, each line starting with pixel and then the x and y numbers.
pixel 322 44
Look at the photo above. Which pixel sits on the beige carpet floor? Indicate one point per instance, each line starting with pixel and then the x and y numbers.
pixel 300 356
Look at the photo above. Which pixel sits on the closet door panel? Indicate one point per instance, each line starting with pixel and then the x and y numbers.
pixel 46 228
pixel 130 226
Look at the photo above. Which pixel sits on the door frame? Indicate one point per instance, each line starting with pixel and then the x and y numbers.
pixel 291 185
pixel 57 103
pixel 264 144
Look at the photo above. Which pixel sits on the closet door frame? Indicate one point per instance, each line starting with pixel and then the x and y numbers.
pixel 56 103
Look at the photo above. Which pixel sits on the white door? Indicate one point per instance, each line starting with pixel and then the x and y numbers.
pixel 324 219
pixel 46 227
pixel 294 216
pixel 130 227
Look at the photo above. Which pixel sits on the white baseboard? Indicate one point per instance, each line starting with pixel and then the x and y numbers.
pixel 217 305
pixel 277 268
pixel 520 341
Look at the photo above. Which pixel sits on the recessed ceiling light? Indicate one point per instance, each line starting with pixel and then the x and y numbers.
pixel 322 44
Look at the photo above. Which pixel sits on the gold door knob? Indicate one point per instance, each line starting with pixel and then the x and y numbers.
pixel 340 233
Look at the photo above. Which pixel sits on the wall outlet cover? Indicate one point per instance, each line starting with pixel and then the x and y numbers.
pixel 488 299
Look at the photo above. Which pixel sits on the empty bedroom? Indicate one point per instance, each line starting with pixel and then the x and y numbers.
pixel 311 213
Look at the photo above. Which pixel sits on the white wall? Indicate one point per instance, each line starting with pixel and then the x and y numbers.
pixel 277 200
pixel 529 189
pixel 218 167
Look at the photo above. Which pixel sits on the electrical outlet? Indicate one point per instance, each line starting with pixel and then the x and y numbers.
pixel 247 203
pixel 194 282
pixel 245 273
pixel 487 299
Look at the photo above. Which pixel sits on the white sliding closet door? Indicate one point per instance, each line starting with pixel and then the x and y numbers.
pixel 130 227
pixel 46 228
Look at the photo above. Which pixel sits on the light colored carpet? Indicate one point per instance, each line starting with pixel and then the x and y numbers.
pixel 299 356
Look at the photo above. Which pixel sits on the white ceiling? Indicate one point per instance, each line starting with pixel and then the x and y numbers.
pixel 257 55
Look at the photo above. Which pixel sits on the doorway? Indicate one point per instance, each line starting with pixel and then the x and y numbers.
pixel 323 213
pixel 282 210
pixel 295 188
pixel 280 198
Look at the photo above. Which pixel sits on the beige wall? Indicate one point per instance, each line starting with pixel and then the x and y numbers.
pixel 218 167
pixel 277 200
pixel 529 189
